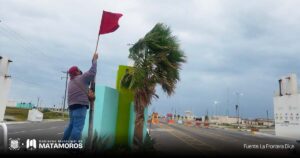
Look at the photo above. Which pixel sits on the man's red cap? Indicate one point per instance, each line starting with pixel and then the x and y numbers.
pixel 72 71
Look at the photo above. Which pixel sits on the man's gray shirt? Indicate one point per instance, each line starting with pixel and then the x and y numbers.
pixel 78 86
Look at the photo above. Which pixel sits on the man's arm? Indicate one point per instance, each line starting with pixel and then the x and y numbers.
pixel 90 75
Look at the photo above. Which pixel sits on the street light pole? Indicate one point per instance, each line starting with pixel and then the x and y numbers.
pixel 267 118
pixel 237 114
pixel 227 101
pixel 238 110
pixel 238 94
pixel 215 103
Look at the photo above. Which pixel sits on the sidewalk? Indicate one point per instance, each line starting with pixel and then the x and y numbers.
pixel 22 122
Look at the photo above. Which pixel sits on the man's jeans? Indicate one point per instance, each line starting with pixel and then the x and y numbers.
pixel 76 124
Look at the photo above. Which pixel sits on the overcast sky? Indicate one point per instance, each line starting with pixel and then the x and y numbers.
pixel 231 46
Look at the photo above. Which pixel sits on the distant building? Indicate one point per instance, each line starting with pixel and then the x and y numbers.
pixel 25 105
pixel 5 81
pixel 189 118
pixel 189 115
pixel 258 122
pixel 11 103
pixel 224 119
pixel 287 108
pixel 21 105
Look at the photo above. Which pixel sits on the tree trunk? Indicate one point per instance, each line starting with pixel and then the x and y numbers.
pixel 139 125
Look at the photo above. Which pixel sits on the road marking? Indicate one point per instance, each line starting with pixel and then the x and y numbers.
pixel 161 130
pixel 40 129
pixel 17 132
pixel 211 135
pixel 191 141
pixel 221 137
pixel 196 146
pixel 60 133
pixel 37 130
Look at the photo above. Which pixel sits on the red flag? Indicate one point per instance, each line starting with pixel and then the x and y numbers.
pixel 109 22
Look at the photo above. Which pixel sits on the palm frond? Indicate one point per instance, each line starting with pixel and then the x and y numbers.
pixel 157 60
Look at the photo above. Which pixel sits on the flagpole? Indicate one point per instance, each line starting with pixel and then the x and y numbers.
pixel 91 118
pixel 92 104
pixel 97 43
pixel 98 36
pixel 110 21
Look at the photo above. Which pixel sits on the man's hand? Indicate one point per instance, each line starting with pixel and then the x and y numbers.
pixel 95 57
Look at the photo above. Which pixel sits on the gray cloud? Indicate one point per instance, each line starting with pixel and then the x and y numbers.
pixel 229 45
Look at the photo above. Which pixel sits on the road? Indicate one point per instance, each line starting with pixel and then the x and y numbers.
pixel 173 139
pixel 182 140
pixel 46 130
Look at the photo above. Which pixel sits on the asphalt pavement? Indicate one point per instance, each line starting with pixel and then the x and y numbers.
pixel 178 139
pixel 37 130
pixel 40 131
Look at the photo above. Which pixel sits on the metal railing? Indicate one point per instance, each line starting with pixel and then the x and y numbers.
pixel 3 125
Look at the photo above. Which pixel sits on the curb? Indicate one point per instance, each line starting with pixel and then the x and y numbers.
pixel 52 120
pixel 22 122
pixel 17 122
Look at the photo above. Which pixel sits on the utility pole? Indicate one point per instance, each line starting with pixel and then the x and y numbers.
pixel 67 75
pixel 237 114
pixel 227 101
pixel 37 104
pixel 175 112
pixel 62 102
pixel 267 118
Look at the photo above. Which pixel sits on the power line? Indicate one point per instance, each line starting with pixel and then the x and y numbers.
pixel 18 36
pixel 28 46
pixel 34 83
pixel 19 44
pixel 22 42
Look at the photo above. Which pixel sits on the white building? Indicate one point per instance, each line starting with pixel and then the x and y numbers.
pixel 11 103
pixel 287 108
pixel 258 122
pixel 5 82
pixel 189 115
pixel 224 119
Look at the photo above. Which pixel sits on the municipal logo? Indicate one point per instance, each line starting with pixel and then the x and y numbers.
pixel 14 144
pixel 31 144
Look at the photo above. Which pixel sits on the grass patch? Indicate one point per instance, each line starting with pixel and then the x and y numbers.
pixel 54 115
pixel 18 114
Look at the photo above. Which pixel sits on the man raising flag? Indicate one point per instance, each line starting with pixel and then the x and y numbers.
pixel 78 100
pixel 79 96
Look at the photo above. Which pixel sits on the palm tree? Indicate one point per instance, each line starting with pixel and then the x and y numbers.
pixel 157 60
